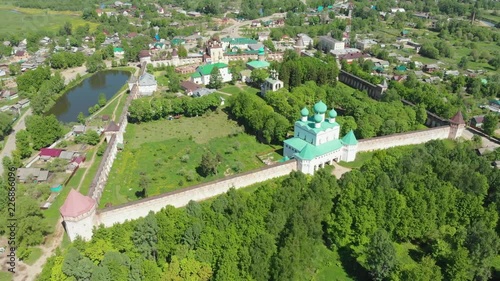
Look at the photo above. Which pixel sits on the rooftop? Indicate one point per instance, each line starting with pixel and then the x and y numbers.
pixel 239 41
pixel 309 151
pixel 207 69
pixel 52 152
pixel 310 125
pixel 76 204
pixel 147 79
pixel 258 64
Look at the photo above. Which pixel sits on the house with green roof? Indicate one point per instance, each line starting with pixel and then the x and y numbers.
pixel 316 140
pixel 257 64
pixel 118 51
pixel 203 73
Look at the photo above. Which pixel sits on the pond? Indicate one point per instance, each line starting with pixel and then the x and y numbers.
pixel 86 94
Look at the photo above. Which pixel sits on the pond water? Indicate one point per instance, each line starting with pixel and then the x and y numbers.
pixel 86 94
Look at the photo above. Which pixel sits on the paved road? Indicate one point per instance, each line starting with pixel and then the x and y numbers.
pixel 10 144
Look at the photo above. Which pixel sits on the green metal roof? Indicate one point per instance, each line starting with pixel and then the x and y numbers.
pixel 207 69
pixel 284 159
pixel 318 118
pixel 320 107
pixel 196 75
pixel 332 113
pixel 177 41
pixel 304 111
pixel 309 125
pixel 239 41
pixel 258 64
pixel 118 49
pixel 309 151
pixel 401 68
pixel 350 138
pixel 497 102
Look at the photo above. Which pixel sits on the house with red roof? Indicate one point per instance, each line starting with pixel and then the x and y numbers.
pixel 49 153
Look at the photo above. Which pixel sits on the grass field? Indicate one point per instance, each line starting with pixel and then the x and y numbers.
pixel 169 152
pixel 330 266
pixel 35 254
pixel 6 276
pixel 361 158
pixel 15 20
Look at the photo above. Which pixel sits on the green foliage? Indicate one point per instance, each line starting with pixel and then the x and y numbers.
pixel 81 118
pixel 95 63
pixel 258 117
pixel 490 123
pixel 215 79
pixel 66 59
pixel 102 100
pixel 90 137
pixel 258 76
pixel 381 255
pixel 296 71
pixel 23 144
pixel 209 163
pixel 5 124
pixel 43 130
pixel 144 110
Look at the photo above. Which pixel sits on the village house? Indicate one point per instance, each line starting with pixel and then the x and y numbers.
pixel 8 95
pixel 32 174
pixel 365 44
pixel 67 155
pixel 203 73
pixel 78 130
pixel 256 23
pixel 430 68
pixel 47 154
pixel 200 92
pixel 477 121
pixel 189 87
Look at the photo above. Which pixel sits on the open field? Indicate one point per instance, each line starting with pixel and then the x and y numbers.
pixel 15 20
pixel 168 153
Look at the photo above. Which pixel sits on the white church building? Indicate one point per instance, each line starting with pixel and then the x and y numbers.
pixel 316 141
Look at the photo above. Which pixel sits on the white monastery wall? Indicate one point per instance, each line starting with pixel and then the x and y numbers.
pixel 180 198
pixel 401 139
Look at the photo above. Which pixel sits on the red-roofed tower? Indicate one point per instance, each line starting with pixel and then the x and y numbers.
pixel 78 213
pixel 457 126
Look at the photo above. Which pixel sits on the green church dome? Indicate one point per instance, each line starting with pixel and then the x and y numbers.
pixel 318 118
pixel 332 113
pixel 320 107
pixel 261 51
pixel 304 112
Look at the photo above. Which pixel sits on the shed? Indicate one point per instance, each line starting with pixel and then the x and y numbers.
pixel 56 188
pixel 68 155
pixel 50 152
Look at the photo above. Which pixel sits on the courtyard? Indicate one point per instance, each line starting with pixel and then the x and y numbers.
pixel 165 155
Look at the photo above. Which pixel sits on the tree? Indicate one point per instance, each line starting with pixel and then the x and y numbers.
pixel 43 130
pixel 258 76
pixel 81 118
pixel 174 83
pixel 145 236
pixel 380 255
pixel 14 69
pixel 209 164
pixel 490 123
pixel 215 79
pixel 95 63
pixel 5 124
pixel 495 62
pixel 102 100
pixel 23 144
pixel 182 52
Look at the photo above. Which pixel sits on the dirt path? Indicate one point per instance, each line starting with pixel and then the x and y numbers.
pixel 339 170
pixel 89 164
pixel 116 107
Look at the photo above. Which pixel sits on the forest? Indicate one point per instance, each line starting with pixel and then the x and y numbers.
pixel 440 197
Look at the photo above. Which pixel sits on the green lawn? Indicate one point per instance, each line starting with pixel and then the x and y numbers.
pixel 15 20
pixel 110 107
pixel 119 110
pixel 6 276
pixel 169 152
pixel 361 158
pixel 330 267
pixel 201 129
pixel 35 254
pixel 161 78
pixel 233 90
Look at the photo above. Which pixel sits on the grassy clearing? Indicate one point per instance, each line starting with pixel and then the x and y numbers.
pixel 33 20
pixel 6 276
pixel 232 90
pixel 168 153
pixel 35 254
pixel 120 107
pixel 330 267
pixel 84 188
pixel 361 158
pixel 200 129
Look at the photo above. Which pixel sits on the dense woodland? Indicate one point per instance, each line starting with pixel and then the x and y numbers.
pixel 440 197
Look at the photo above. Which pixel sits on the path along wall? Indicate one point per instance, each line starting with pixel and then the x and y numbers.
pixel 417 137
pixel 180 198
